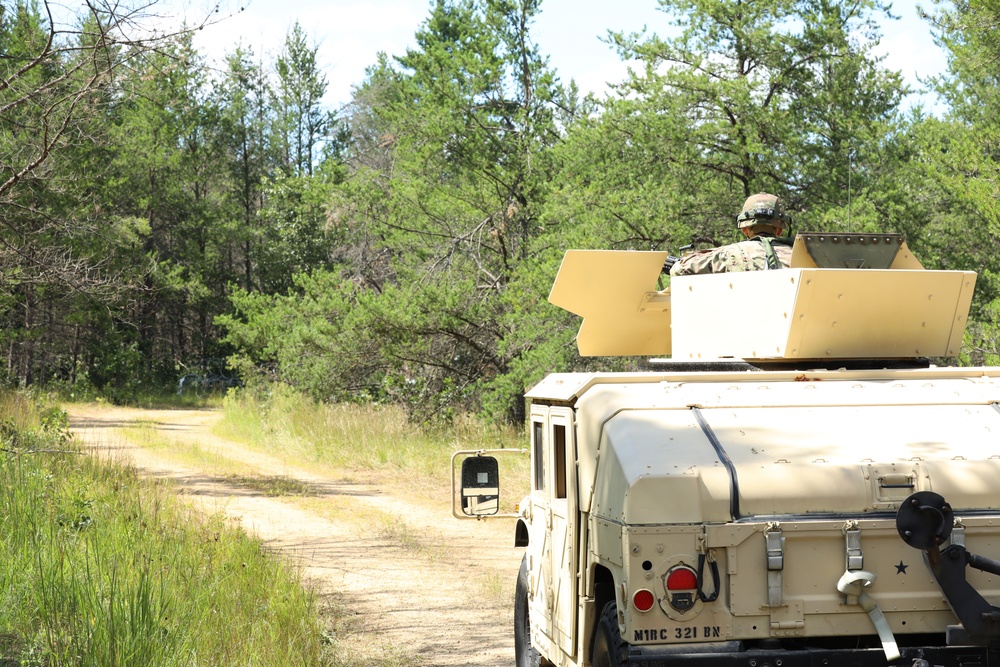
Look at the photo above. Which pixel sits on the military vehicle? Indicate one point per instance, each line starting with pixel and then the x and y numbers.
pixel 798 484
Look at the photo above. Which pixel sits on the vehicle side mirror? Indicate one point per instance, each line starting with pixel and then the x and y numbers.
pixel 480 489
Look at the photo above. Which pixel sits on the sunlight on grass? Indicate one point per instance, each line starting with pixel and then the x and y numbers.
pixel 364 445
pixel 368 438
pixel 496 590
pixel 100 568
pixel 145 434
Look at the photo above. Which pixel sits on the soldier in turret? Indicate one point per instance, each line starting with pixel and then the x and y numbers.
pixel 763 220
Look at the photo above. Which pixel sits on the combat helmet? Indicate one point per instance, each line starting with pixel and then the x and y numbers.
pixel 763 209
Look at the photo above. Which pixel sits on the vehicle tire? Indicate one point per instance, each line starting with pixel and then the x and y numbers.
pixel 610 650
pixel 525 654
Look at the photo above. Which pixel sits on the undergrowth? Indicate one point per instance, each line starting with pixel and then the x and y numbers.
pixel 98 567
pixel 376 438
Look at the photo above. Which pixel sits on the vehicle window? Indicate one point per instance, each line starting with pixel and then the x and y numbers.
pixel 559 460
pixel 538 453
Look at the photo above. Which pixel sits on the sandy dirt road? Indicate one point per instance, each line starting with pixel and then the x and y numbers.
pixel 414 583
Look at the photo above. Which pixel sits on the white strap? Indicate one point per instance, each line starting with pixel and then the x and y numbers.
pixel 853 584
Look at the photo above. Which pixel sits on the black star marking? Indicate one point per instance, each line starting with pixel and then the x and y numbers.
pixel 901 568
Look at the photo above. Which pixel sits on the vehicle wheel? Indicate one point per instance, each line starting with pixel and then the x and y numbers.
pixel 524 653
pixel 610 650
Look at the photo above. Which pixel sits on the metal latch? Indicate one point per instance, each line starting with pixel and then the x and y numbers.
pixel 855 556
pixel 958 533
pixel 775 543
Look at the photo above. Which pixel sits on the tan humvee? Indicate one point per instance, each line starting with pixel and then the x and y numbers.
pixel 797 486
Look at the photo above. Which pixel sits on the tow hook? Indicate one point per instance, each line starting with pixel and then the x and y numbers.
pixel 853 584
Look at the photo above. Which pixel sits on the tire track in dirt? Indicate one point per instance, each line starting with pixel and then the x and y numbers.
pixel 441 599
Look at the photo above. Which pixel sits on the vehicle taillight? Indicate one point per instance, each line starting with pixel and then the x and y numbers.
pixel 682 587
pixel 643 600
pixel 682 579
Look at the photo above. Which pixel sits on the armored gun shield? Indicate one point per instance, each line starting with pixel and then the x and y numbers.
pixel 614 292
pixel 802 313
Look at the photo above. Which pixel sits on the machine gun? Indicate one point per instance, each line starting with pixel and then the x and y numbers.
pixel 673 259
pixel 669 262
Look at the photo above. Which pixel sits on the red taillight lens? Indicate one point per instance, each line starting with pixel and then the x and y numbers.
pixel 682 579
pixel 682 585
pixel 643 600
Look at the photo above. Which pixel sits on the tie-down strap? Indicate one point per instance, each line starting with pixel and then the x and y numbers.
pixel 853 584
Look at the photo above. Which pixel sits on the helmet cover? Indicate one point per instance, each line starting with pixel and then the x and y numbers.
pixel 763 209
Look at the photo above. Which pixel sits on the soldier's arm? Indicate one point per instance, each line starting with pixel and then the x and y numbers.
pixel 696 262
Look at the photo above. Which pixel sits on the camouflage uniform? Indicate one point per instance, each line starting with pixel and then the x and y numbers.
pixel 763 216
pixel 750 255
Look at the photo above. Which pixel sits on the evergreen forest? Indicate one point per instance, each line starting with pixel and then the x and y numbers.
pixel 160 217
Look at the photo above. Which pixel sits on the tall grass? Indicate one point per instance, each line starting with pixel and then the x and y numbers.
pixel 100 568
pixel 354 437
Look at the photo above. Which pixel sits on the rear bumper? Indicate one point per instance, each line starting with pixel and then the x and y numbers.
pixel 930 656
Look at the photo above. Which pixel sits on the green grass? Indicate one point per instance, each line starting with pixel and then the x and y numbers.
pixel 148 397
pixel 98 567
pixel 371 438
pixel 146 435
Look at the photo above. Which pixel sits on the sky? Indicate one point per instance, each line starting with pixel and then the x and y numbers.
pixel 350 33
